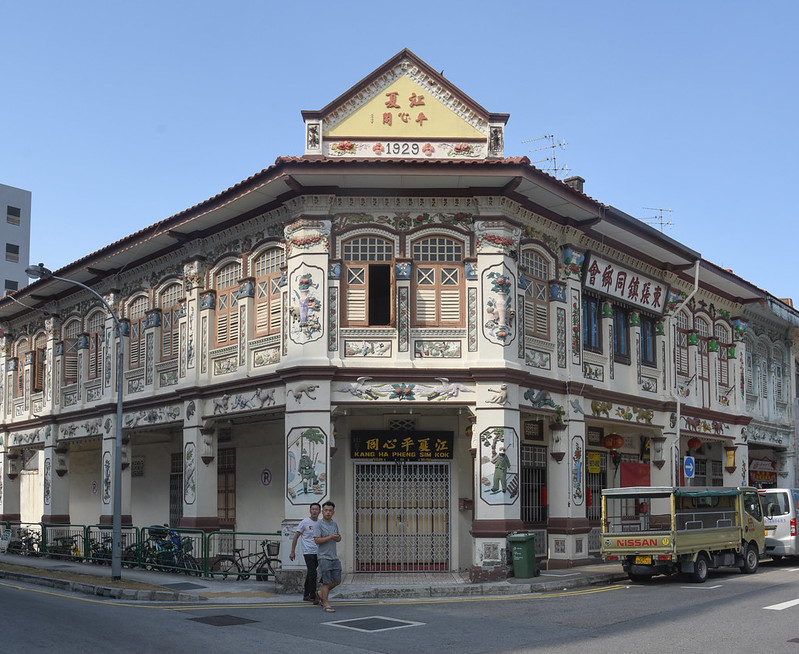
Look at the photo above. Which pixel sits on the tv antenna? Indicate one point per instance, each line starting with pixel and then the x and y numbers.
pixel 552 160
pixel 660 220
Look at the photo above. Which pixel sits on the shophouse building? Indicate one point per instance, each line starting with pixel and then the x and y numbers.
pixel 450 344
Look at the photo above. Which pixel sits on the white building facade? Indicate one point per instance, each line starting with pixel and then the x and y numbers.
pixel 450 344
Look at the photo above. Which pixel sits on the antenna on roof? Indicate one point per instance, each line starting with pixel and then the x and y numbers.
pixel 551 160
pixel 660 219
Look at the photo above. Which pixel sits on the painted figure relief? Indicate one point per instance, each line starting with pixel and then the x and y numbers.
pixel 189 474
pixel 106 477
pixel 306 472
pixel 500 315
pixel 48 480
pixel 577 471
pixel 499 468
pixel 305 310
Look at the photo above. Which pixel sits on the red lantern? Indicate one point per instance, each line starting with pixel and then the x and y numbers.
pixel 694 443
pixel 613 441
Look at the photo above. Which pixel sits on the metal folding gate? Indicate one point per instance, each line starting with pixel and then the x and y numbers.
pixel 402 521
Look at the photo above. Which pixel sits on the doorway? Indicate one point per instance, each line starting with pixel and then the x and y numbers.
pixel 402 521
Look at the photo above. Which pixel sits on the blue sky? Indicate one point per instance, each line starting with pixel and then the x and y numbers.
pixel 116 115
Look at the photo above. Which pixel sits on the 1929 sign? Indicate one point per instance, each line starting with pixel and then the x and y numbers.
pixel 402 446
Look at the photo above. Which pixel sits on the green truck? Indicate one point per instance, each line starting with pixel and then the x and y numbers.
pixel 663 530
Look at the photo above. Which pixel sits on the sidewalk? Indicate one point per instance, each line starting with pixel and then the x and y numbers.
pixel 169 587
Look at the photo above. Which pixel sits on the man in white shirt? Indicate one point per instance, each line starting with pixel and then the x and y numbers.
pixel 305 530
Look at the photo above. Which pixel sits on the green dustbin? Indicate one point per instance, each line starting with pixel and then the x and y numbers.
pixel 522 546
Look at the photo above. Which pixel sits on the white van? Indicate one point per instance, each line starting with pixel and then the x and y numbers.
pixel 780 508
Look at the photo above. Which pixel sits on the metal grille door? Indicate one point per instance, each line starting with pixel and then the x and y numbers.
pixel 402 517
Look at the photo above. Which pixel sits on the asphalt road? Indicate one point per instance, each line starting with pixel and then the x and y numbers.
pixel 729 613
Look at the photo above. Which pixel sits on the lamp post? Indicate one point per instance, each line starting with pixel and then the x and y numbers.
pixel 40 272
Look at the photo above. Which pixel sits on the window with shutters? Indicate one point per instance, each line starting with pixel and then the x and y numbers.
pixel 69 359
pixel 536 294
pixel 438 292
pixel 703 336
pixel 39 362
pixel 95 326
pixel 762 368
pixel 592 340
pixel 268 294
pixel 681 343
pixel 778 396
pixel 168 302
pixel 226 283
pixel 137 314
pixel 367 280
pixel 722 336
pixel 750 371
pixel 22 350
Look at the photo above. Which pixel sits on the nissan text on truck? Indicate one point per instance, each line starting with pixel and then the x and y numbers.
pixel 663 530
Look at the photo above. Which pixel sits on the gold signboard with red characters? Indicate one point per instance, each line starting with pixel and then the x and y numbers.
pixel 401 446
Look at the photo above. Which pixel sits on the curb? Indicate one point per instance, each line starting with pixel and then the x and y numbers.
pixel 493 589
pixel 85 588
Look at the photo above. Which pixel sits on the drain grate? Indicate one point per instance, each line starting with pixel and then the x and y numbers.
pixel 374 623
pixel 185 585
pixel 223 620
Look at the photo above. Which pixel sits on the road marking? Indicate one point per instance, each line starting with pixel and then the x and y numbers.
pixel 702 587
pixel 783 605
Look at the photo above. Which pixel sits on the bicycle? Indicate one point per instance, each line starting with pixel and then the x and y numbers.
pixel 65 547
pixel 266 562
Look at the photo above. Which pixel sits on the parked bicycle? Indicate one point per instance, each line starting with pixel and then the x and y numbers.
pixel 263 564
pixel 101 550
pixel 27 543
pixel 165 549
pixel 65 547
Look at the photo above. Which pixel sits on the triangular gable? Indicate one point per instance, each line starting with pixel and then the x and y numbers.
pixel 404 110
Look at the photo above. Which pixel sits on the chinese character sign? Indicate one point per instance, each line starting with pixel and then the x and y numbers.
pixel 398 446
pixel 628 285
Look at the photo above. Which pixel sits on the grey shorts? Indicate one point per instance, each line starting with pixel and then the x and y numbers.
pixel 329 571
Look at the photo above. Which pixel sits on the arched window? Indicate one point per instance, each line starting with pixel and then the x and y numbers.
pixel 22 349
pixel 762 370
pixel 536 294
pixel 70 358
pixel 168 302
pixel 681 349
pixel 39 361
pixel 722 336
pixel 226 283
pixel 96 329
pixel 778 368
pixel 703 350
pixel 268 294
pixel 438 289
pixel 368 281
pixel 137 314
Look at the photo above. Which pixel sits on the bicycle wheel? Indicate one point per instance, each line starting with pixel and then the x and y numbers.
pixel 191 566
pixel 268 569
pixel 224 566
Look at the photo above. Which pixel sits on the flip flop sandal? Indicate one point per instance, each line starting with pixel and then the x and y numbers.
pixel 329 609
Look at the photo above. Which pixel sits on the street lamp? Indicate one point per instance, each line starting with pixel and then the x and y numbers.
pixel 40 272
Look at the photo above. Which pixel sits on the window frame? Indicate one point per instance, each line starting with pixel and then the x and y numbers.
pixel 170 306
pixel 137 309
pixel 648 341
pixel 591 307
pixel 621 334
pixel 227 303
pixel 436 272
pixel 267 268
pixel 537 268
